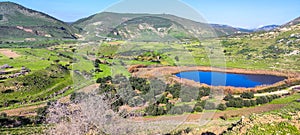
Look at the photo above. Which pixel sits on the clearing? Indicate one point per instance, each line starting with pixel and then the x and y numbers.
pixel 9 53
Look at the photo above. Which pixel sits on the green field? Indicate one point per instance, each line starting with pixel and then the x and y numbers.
pixel 58 62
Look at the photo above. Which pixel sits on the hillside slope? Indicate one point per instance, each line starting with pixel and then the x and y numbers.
pixel 18 22
pixel 103 24
pixel 277 49
pixel 293 22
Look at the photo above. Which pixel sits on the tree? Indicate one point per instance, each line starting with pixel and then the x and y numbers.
pixel 221 107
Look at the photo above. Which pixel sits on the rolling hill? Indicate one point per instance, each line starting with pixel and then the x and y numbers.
pixel 18 22
pixel 106 23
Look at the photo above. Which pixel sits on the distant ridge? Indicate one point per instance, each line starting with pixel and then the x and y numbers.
pixel 293 22
pixel 103 24
pixel 267 28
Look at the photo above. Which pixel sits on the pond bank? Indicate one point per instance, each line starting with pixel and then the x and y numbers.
pixel 167 73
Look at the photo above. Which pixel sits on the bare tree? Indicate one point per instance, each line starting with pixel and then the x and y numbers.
pixel 93 115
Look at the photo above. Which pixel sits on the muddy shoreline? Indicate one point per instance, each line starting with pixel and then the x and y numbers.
pixel 167 73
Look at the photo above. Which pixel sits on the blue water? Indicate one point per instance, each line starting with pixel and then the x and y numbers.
pixel 230 79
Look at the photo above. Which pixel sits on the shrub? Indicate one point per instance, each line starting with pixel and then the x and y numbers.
pixel 188 93
pixel 136 101
pixel 247 95
pixel 201 103
pixel 253 102
pixel 180 109
pixel 262 100
pixel 228 97
pixel 163 99
pixel 247 103
pixel 203 91
pixel 97 70
pixel 236 102
pixel 155 110
pixel 221 107
pixel 176 58
pixel 139 84
pixel 104 79
pixel 198 109
pixel 174 90
pixel 7 91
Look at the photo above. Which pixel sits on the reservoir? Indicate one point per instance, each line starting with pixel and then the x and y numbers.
pixel 230 79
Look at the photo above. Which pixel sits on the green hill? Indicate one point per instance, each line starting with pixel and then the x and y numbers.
pixel 18 22
pixel 277 49
pixel 149 28
pixel 103 24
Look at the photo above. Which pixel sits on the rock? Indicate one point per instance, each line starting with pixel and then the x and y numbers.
pixel 5 66
pixel 280 40
pixel 289 42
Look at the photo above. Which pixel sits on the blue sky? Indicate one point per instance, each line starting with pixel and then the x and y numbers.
pixel 238 13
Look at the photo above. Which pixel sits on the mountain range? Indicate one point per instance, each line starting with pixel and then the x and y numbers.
pixel 266 28
pixel 19 22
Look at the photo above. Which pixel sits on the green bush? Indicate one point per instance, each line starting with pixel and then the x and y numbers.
pixel 236 102
pixel 262 100
pixel 155 110
pixel 247 103
pixel 181 109
pixel 247 95
pixel 228 97
pixel 198 109
pixel 221 107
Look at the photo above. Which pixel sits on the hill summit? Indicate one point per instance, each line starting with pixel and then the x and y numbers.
pixel 20 22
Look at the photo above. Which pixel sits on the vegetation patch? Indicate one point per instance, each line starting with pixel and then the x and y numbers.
pixel 281 128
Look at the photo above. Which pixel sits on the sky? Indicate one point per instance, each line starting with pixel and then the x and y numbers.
pixel 237 13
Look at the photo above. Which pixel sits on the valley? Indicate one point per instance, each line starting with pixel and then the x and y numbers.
pixel 115 73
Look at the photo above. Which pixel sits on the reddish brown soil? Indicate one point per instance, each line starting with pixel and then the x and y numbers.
pixel 23 111
pixel 9 53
